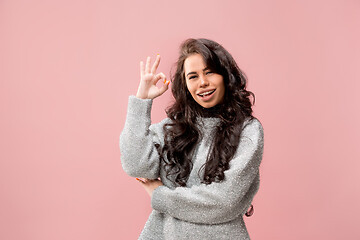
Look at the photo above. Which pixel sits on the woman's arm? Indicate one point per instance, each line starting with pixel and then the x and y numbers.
pixel 139 156
pixel 218 202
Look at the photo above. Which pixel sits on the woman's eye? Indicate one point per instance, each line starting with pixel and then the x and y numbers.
pixel 196 76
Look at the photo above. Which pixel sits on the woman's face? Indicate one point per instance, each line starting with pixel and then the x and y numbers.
pixel 206 87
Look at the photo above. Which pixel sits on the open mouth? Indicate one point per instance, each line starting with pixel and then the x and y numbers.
pixel 208 93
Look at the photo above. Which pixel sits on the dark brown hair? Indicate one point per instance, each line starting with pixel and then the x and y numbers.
pixel 182 134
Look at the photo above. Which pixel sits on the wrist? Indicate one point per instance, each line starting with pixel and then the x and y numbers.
pixel 143 97
pixel 140 95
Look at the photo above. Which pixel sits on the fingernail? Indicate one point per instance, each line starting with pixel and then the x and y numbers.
pixel 164 80
pixel 168 83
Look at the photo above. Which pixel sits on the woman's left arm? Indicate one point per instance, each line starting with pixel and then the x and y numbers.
pixel 223 201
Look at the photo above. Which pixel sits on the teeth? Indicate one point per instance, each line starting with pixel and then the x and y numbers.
pixel 205 93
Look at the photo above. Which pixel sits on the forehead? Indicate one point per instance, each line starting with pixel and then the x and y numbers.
pixel 194 63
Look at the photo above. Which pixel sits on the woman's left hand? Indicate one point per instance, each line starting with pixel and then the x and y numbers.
pixel 150 184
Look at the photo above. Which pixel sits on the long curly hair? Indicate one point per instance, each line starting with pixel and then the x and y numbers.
pixel 182 133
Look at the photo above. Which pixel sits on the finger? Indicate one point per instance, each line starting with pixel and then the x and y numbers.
pixel 164 87
pixel 156 64
pixel 143 180
pixel 147 70
pixel 142 68
pixel 139 180
pixel 159 76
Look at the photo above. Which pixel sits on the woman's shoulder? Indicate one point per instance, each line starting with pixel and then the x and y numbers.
pixel 253 122
pixel 253 128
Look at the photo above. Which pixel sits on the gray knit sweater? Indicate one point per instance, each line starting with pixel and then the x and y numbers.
pixel 197 211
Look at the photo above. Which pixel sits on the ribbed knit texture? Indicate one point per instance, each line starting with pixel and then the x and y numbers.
pixel 197 211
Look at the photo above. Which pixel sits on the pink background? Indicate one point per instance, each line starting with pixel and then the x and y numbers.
pixel 68 67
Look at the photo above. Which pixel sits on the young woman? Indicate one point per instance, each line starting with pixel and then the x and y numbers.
pixel 200 165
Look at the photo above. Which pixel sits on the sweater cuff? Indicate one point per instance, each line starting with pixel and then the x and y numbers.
pixel 139 106
pixel 157 200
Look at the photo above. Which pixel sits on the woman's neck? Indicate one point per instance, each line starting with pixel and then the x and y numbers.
pixel 214 111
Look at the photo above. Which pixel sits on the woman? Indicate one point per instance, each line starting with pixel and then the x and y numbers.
pixel 207 152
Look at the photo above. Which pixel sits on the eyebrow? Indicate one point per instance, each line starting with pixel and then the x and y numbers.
pixel 195 72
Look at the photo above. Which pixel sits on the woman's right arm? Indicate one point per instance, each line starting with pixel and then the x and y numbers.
pixel 139 156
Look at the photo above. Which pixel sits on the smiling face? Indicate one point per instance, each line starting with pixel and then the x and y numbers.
pixel 206 87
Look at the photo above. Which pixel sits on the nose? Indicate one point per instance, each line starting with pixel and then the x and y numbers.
pixel 203 81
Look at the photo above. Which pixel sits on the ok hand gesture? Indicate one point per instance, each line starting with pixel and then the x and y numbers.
pixel 148 79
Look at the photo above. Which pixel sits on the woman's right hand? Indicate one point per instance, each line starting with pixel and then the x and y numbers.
pixel 148 79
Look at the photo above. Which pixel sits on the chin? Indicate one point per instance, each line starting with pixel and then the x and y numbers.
pixel 207 105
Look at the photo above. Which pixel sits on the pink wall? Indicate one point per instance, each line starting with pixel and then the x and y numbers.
pixel 67 68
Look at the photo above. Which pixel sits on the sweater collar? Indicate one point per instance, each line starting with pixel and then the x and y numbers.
pixel 213 112
pixel 207 123
pixel 208 118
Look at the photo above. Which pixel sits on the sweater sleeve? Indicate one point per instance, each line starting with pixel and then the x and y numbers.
pixel 139 156
pixel 223 201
